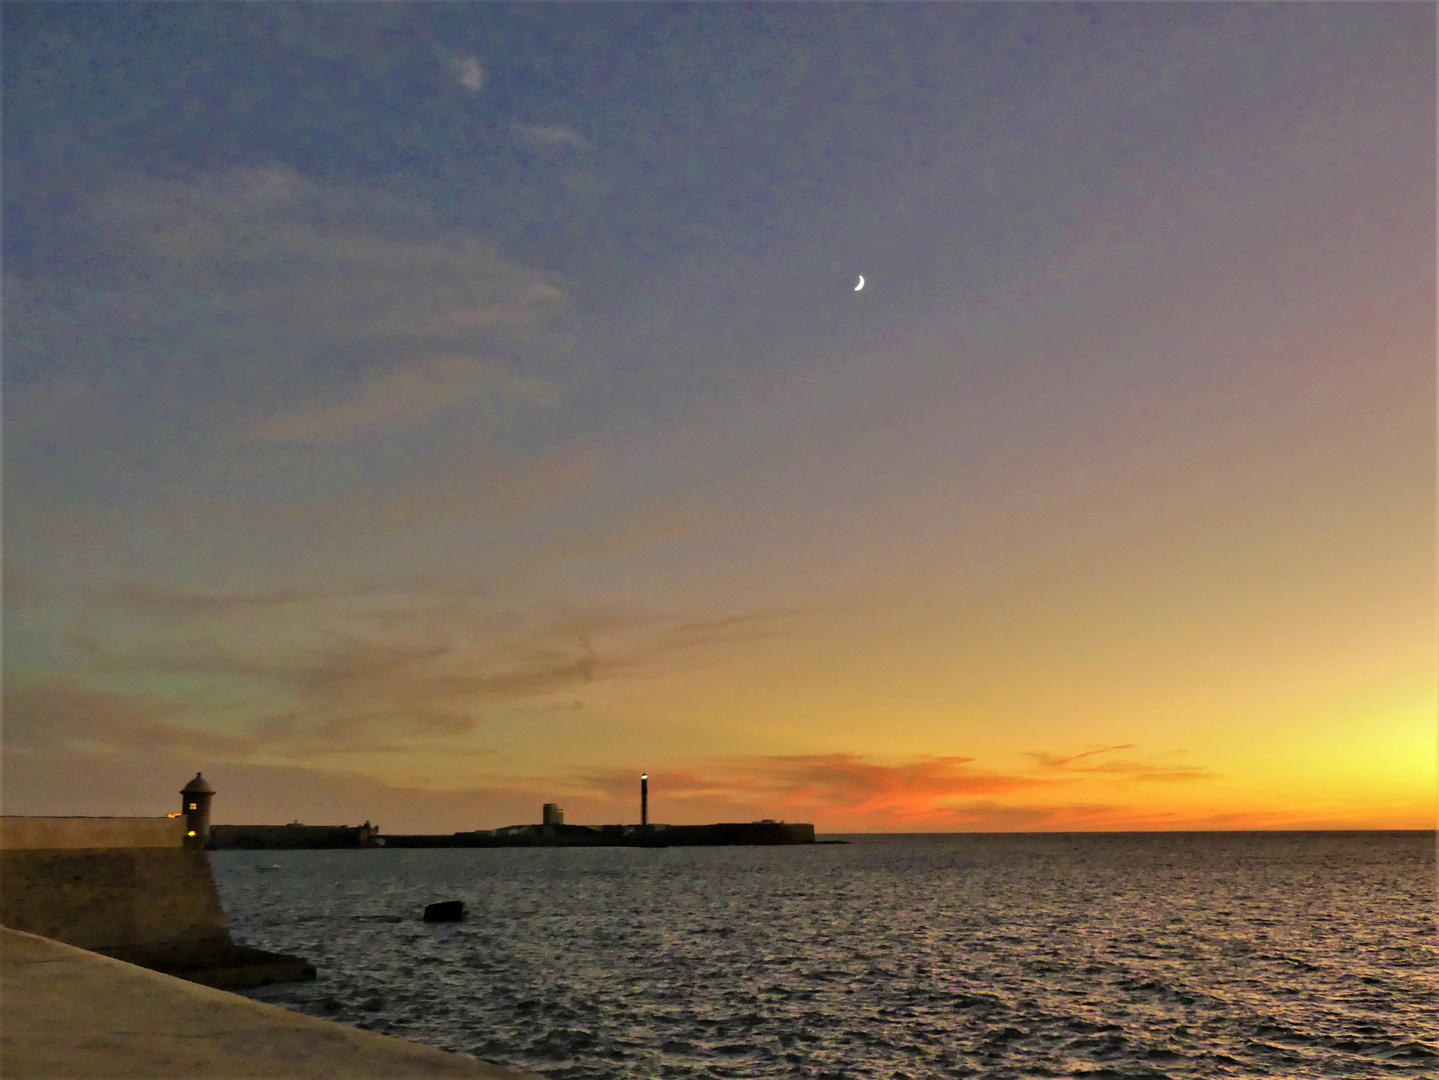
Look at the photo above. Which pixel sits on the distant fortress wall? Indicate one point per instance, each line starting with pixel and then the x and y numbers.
pixel 295 835
pixel 729 833
pixel 107 883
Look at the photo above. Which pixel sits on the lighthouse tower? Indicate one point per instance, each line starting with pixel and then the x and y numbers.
pixel 195 804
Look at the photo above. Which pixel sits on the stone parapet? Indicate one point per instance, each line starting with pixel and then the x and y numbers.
pixel 62 833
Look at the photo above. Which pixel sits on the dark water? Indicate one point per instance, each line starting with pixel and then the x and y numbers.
pixel 1200 955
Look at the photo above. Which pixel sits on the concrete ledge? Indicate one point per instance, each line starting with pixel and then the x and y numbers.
pixel 69 1014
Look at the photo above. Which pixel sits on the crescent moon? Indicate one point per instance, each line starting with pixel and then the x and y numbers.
pixel 861 283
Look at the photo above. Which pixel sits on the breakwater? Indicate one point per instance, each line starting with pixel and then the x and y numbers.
pixel 755 833
pixel 293 836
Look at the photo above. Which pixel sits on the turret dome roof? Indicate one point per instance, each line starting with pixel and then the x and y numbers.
pixel 197 786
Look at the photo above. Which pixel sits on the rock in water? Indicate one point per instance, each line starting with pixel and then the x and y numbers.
pixel 445 911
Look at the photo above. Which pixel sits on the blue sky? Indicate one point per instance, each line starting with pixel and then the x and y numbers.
pixel 414 379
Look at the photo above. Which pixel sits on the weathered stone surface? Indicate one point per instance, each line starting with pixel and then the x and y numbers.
pixel 153 906
pixel 104 898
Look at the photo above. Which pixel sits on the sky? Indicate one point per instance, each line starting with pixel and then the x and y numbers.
pixel 416 413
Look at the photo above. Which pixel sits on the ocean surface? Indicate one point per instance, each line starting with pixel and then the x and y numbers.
pixel 1136 955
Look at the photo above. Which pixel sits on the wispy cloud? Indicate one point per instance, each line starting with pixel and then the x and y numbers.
pixel 404 395
pixel 400 668
pixel 299 282
pixel 1118 768
pixel 316 265
pixel 860 786
pixel 839 788
pixel 1066 761
pixel 468 72
pixel 854 792
pixel 63 714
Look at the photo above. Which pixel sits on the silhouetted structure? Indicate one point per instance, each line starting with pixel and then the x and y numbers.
pixel 729 833
pixel 293 835
pixel 195 805
pixel 551 832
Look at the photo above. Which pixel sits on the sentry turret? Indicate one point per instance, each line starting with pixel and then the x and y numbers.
pixel 195 805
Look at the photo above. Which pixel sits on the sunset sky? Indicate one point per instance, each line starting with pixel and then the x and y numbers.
pixel 418 413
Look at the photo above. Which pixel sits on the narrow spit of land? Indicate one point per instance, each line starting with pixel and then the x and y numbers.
pixel 76 1014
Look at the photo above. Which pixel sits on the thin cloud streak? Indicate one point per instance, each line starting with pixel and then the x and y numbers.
pixel 1118 768
pixel 404 396
pixel 838 786
pixel 63 715
pixel 1056 761
pixel 399 668
pixel 262 258
pixel 852 792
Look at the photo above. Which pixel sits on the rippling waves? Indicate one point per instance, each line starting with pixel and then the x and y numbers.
pixel 1155 956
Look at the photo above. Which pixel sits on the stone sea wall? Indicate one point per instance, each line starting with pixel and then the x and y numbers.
pixel 128 888
pixel 111 898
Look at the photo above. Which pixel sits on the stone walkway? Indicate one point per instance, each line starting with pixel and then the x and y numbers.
pixel 70 1014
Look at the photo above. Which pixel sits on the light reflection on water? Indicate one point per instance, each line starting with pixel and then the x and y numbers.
pixel 1141 955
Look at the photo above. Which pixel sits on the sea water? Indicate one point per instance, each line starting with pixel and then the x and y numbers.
pixel 1118 955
